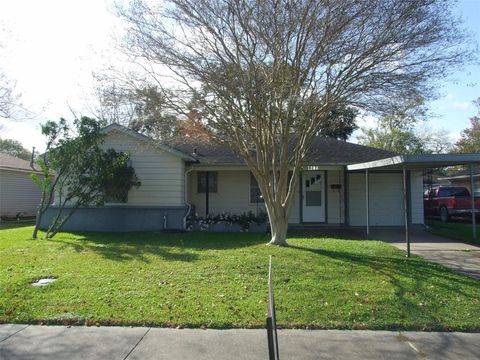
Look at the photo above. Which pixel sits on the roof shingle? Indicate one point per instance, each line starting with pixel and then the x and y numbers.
pixel 12 163
pixel 324 151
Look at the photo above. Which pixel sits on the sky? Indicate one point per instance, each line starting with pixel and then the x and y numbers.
pixel 50 48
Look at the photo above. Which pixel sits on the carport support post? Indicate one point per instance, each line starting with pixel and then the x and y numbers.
pixel 367 200
pixel 405 207
pixel 472 195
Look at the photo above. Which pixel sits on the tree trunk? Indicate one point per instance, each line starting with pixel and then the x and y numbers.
pixel 279 227
pixel 38 219
pixel 35 231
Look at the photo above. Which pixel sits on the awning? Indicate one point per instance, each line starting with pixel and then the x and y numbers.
pixel 418 162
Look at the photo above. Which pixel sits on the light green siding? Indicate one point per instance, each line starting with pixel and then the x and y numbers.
pixel 386 199
pixel 233 195
pixel 161 174
pixel 417 197
pixel 335 197
pixel 18 194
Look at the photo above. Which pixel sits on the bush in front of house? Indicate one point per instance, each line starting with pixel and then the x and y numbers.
pixel 244 221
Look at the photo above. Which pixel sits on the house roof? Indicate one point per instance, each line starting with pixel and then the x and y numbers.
pixel 324 151
pixel 8 162
pixel 142 137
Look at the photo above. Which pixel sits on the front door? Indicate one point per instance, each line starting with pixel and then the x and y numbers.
pixel 313 195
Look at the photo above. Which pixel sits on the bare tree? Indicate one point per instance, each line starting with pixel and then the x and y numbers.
pixel 114 99
pixel 129 100
pixel 271 71
pixel 8 97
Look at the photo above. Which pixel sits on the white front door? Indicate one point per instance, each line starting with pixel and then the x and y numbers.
pixel 313 195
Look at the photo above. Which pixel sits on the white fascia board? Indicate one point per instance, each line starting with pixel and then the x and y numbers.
pixel 396 160
pixel 420 161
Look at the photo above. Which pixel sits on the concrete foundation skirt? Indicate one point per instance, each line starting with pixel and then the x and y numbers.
pixel 121 218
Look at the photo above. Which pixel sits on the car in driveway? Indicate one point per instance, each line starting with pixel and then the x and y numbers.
pixel 447 201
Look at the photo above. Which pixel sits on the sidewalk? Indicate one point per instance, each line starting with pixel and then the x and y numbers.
pixel 60 342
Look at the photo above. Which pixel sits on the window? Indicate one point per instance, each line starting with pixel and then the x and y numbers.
pixel 118 197
pixel 255 194
pixel 453 191
pixel 206 176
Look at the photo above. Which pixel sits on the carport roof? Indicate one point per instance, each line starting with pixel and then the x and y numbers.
pixel 417 162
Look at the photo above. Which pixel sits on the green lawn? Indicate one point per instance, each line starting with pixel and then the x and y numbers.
pixel 454 230
pixel 219 281
pixel 15 224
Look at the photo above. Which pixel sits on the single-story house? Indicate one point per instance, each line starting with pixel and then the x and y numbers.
pixel 462 178
pixel 19 195
pixel 212 180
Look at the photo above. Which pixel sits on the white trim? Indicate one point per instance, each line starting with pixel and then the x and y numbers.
pixel 250 192
pixel 314 213
pixel 419 161
pixel 322 167
pixel 377 163
pixel 210 167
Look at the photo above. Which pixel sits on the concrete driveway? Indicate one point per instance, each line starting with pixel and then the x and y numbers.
pixel 462 257
pixel 59 342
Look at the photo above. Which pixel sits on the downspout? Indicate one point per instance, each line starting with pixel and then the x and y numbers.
pixel 185 192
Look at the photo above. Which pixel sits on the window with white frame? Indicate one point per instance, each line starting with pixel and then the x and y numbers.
pixel 204 177
pixel 255 194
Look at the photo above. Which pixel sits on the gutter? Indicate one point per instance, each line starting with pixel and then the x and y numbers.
pixel 185 192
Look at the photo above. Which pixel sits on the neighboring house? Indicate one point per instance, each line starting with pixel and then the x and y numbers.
pixel 19 195
pixel 462 178
pixel 174 180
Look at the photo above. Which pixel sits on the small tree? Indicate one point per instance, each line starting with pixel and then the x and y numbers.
pixel 85 174
pixel 469 141
pixel 393 133
pixel 400 134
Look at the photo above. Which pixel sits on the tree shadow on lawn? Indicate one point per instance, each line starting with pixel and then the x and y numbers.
pixel 410 278
pixel 168 246
pixel 16 224
pixel 331 233
pixel 393 267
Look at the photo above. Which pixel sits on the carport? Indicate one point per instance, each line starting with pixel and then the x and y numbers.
pixel 407 163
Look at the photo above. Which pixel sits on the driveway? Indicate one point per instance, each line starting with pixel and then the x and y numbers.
pixel 462 257
pixel 124 343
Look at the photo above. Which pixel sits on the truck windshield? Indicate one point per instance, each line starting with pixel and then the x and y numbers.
pixel 453 191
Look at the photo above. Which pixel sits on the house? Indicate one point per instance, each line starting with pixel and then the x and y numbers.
pixel 462 178
pixel 341 184
pixel 213 180
pixel 19 195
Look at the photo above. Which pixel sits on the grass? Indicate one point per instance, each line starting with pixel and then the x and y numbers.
pixel 460 230
pixel 219 281
pixel 10 224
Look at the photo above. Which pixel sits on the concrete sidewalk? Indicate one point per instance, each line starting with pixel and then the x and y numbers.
pixel 60 342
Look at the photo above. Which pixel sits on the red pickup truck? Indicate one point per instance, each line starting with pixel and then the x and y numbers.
pixel 447 201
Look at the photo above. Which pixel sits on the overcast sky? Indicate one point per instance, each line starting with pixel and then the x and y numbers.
pixel 52 47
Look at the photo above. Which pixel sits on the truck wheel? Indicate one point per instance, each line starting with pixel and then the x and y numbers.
pixel 444 216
